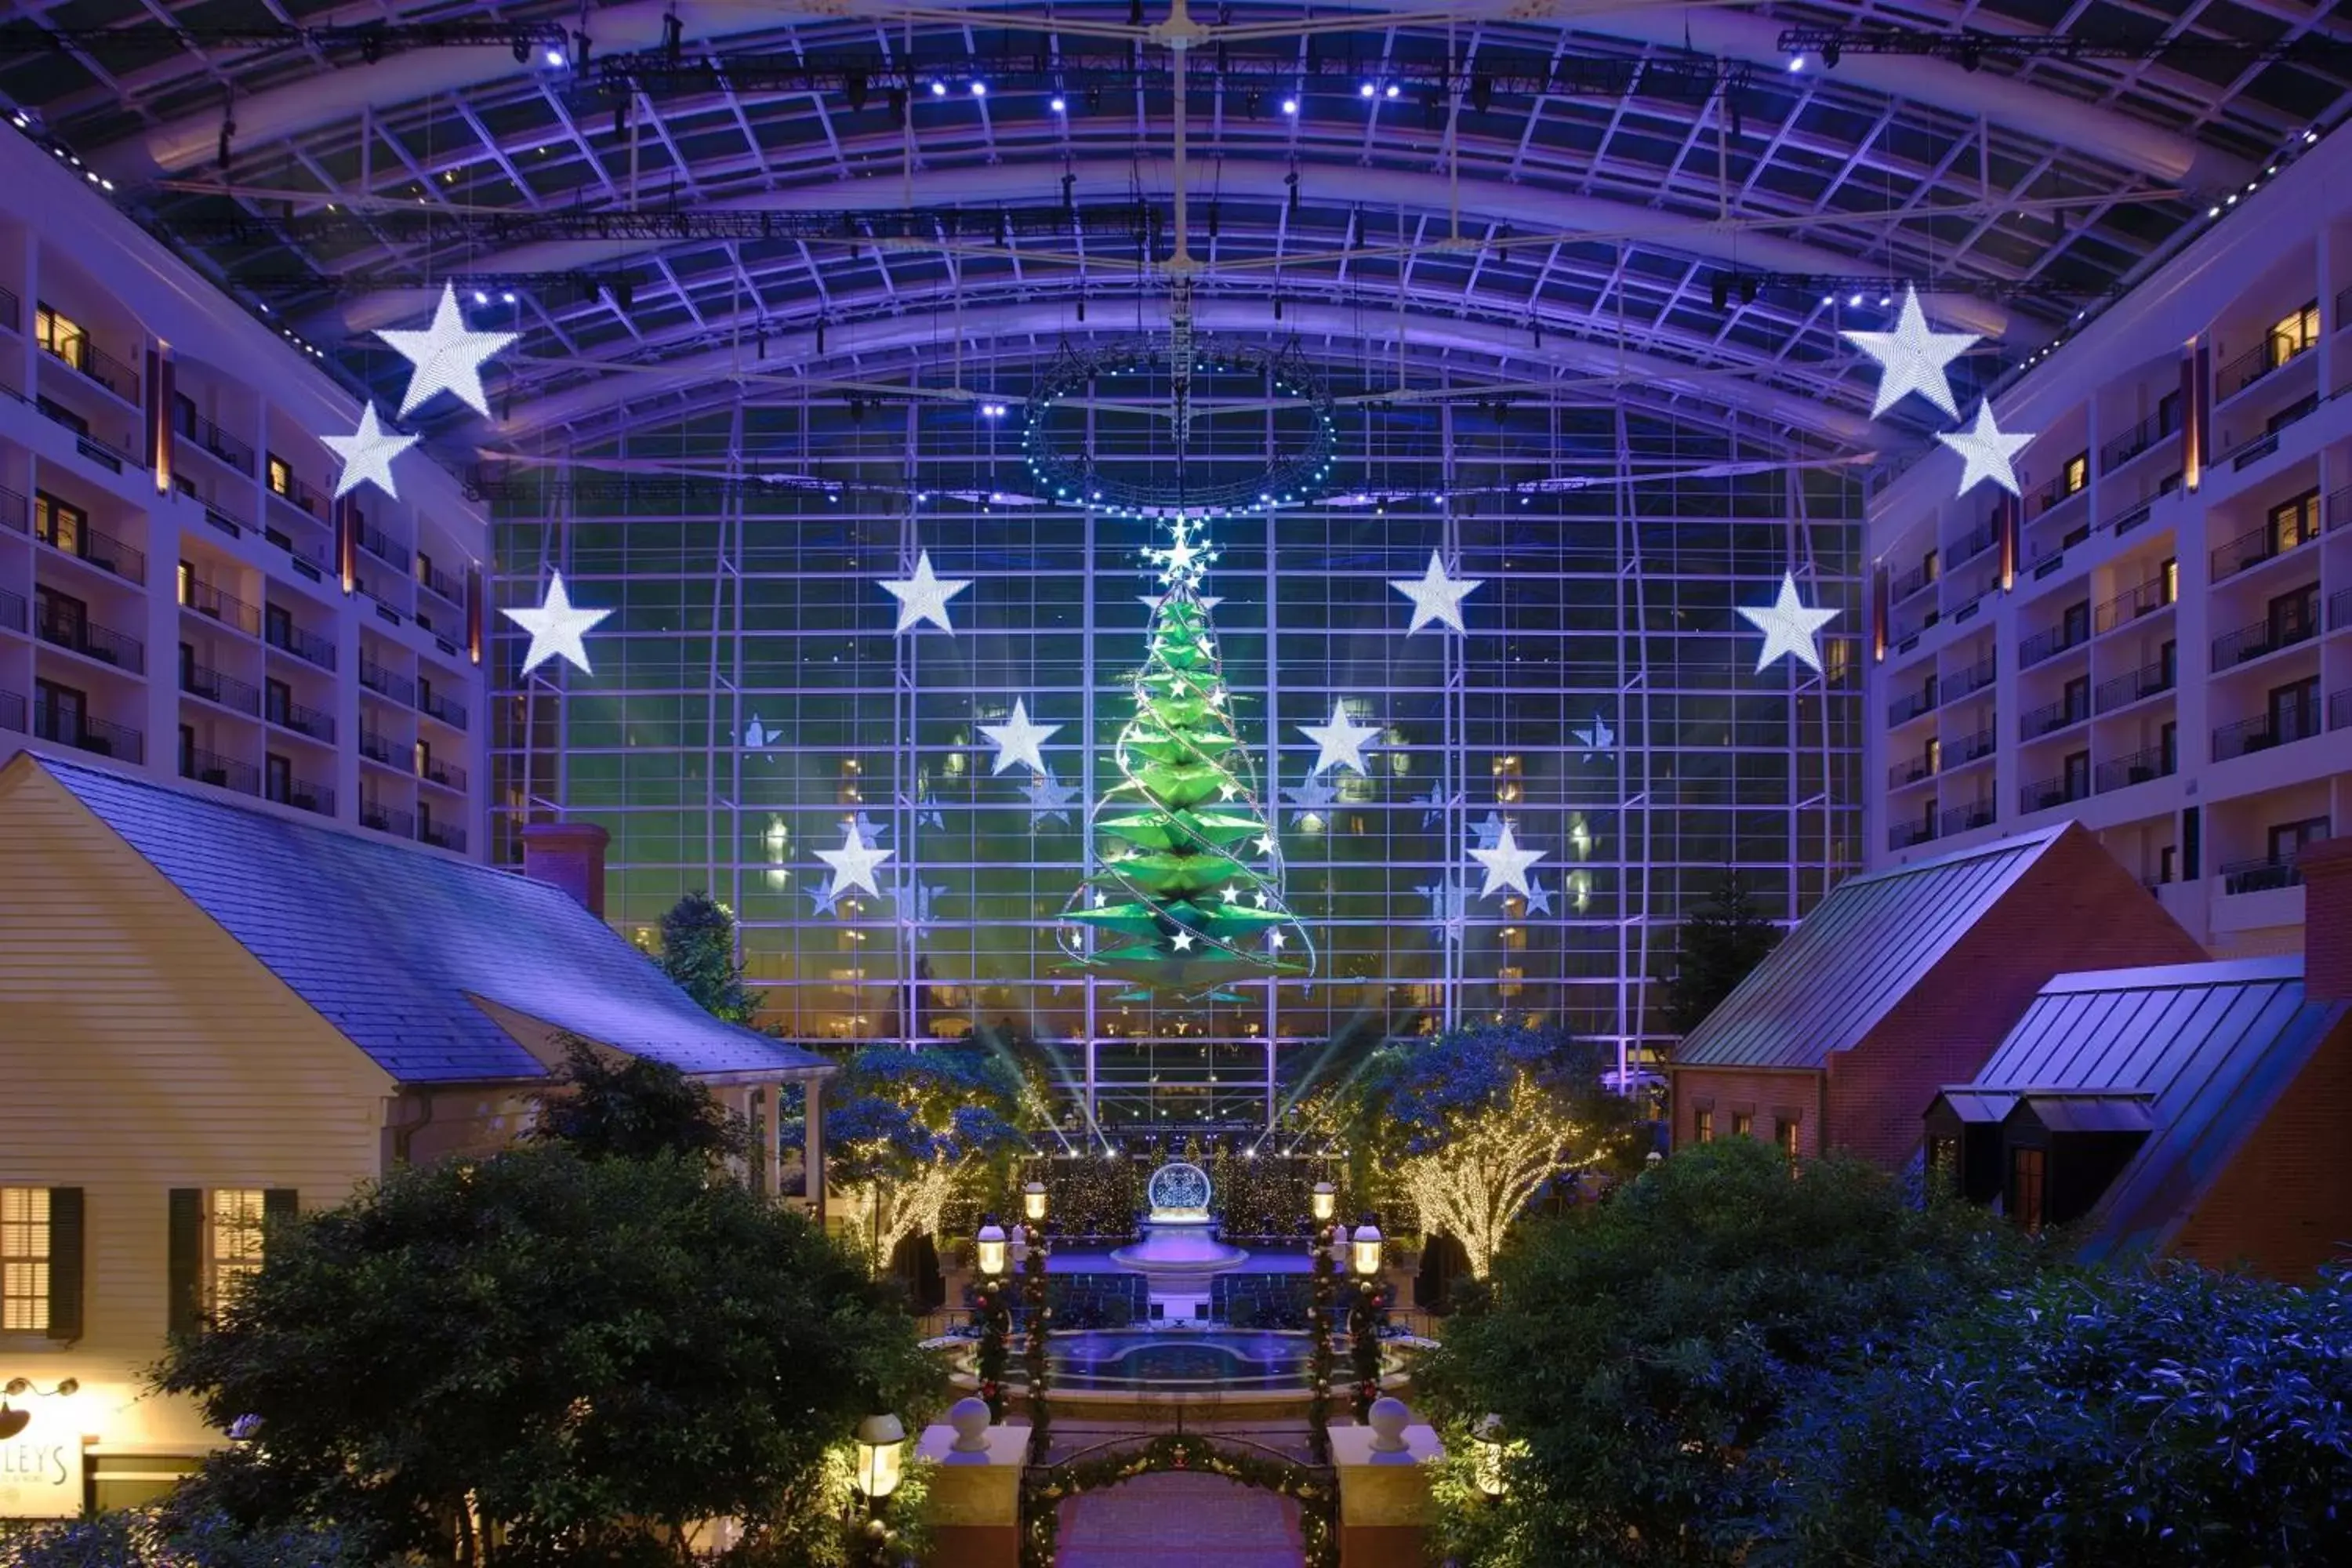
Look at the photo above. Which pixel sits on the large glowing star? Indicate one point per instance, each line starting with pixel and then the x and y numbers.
pixel 1912 358
pixel 1789 627
pixel 1985 450
pixel 1506 864
pixel 853 864
pixel 1340 742
pixel 1435 596
pixel 446 357
pixel 1018 740
pixel 367 454
pixel 924 597
pixel 556 627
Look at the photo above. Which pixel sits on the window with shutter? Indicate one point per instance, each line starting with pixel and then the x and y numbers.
pixel 25 1260
pixel 234 1242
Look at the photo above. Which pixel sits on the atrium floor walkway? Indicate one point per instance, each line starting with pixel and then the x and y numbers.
pixel 1169 1520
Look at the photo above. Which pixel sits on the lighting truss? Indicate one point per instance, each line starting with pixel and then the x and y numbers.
pixel 370 40
pixel 856 226
pixel 1749 285
pixel 661 72
pixel 1969 47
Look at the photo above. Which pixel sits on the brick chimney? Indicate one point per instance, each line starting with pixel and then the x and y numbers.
pixel 2327 868
pixel 570 856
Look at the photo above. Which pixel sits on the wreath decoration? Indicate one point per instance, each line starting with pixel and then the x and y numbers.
pixel 1314 1487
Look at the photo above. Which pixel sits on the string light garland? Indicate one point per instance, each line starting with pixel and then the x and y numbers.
pixel 1312 1486
pixel 1490 1165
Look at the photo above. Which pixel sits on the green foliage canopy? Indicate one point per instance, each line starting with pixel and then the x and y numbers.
pixel 634 1108
pixel 698 951
pixel 1720 942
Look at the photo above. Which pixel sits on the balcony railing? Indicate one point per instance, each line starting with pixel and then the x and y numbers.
pixel 2044 793
pixel 2127 688
pixel 12 711
pixel 383 546
pixel 2139 767
pixel 1963 818
pixel 377 746
pixel 2247 644
pixel 2339 711
pixel 2275 353
pixel 9 308
pixel 221 772
pixel 449 775
pixel 203 433
pixel 1911 704
pixel 2259 875
pixel 1909 772
pixel 447 710
pixel 2286 727
pixel 385 682
pixel 87 639
pixel 226 608
pixel 305 646
pixel 96 736
pixel 2249 550
pixel 1974 678
pixel 100 366
pixel 2164 422
pixel 314 722
pixel 387 819
pixel 1903 835
pixel 84 542
pixel 301 498
pixel 2053 496
pixel 2050 643
pixel 302 795
pixel 432 580
pixel 1910 583
pixel 2050 718
pixel 2339 508
pixel 12 611
pixel 1974 544
pixel 203 680
pixel 441 836
pixel 2146 599
pixel 1969 748
pixel 16 512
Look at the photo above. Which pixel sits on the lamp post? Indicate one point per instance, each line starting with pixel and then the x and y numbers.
pixel 881 1456
pixel 993 1314
pixel 1486 1456
pixel 1364 1318
pixel 1323 1206
pixel 1039 1309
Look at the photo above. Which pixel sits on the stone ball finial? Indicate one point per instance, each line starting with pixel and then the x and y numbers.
pixel 970 1419
pixel 1387 1419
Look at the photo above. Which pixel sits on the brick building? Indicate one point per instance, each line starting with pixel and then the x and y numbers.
pixel 1902 981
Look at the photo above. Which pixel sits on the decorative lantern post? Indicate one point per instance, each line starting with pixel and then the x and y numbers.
pixel 881 1458
pixel 1038 1311
pixel 1318 1358
pixel 992 1315
pixel 1486 1456
pixel 1364 1318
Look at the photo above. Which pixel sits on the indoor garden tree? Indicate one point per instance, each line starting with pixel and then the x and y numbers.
pixel 1187 898
pixel 908 1132
pixel 699 950
pixel 1469 1127
pixel 1720 942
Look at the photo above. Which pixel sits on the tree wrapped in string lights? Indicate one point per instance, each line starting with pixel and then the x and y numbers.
pixel 1188 898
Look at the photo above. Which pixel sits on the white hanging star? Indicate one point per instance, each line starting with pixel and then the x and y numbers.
pixel 556 627
pixel 1435 595
pixel 446 357
pixel 1181 941
pixel 1309 798
pixel 825 899
pixel 1506 864
pixel 1787 627
pixel 367 453
pixel 1341 741
pixel 1488 830
pixel 853 864
pixel 758 737
pixel 1048 800
pixel 1437 801
pixel 1912 358
pixel 1539 898
pixel 924 597
pixel 1018 740
pixel 1985 449
pixel 1598 737
pixel 1448 906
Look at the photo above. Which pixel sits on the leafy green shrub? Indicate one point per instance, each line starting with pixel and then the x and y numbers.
pixel 147 1539
pixel 2179 1417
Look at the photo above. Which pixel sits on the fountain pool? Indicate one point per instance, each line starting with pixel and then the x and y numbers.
pixel 1141 1361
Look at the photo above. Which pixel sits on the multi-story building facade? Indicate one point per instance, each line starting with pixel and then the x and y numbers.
pixel 2156 639
pixel 179 595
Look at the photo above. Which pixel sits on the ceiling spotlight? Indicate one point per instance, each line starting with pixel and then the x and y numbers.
pixel 480 298
pixel 1365 90
pixel 1392 89
pixel 980 90
pixel 938 90
pixel 2308 136
pixel 1828 299
pixel 555 58
pixel 508 297
pixel 1885 301
pixel 2212 212
pixel 1060 104
pixel 1796 62
pixel 1854 300
pixel 1290 106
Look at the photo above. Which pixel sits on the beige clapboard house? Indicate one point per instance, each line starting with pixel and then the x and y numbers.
pixel 210 1013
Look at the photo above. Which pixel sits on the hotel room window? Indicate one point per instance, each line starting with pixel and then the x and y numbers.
pixel 1743 1125
pixel 1703 1126
pixel 1784 1133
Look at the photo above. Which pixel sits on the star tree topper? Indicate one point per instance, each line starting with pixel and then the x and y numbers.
pixel 1912 358
pixel 1018 739
pixel 1985 451
pixel 556 628
pixel 367 453
pixel 1435 596
pixel 924 597
pixel 1787 627
pixel 446 357
pixel 853 864
pixel 1506 864
pixel 1341 741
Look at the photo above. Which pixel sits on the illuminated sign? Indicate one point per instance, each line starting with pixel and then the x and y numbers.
pixel 41 1469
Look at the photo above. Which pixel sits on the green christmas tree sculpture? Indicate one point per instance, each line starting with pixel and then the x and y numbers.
pixel 1189 896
